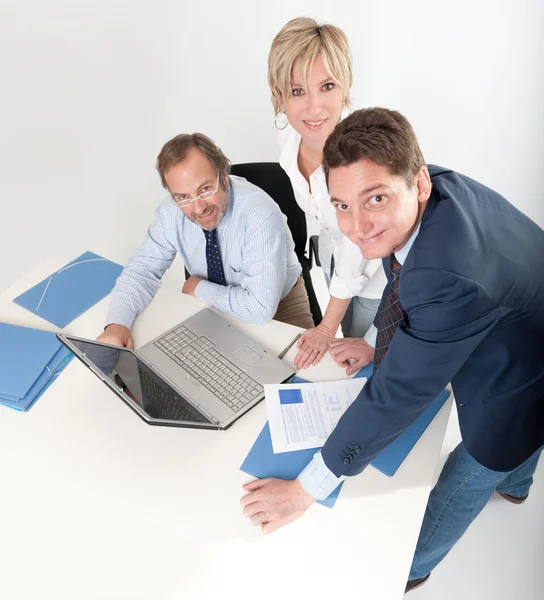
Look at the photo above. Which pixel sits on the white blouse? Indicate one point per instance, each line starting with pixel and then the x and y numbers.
pixel 353 274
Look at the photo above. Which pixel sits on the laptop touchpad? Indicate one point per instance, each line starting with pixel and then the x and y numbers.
pixel 247 355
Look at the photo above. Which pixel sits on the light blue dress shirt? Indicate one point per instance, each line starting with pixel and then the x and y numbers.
pixel 317 479
pixel 257 252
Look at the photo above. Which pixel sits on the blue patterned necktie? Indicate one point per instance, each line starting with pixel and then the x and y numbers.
pixel 390 313
pixel 213 258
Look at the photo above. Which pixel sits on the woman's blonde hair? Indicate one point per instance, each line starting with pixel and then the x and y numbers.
pixel 304 39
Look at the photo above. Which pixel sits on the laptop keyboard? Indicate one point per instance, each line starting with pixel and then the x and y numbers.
pixel 211 369
pixel 168 406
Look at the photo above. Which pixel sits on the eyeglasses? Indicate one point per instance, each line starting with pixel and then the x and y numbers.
pixel 183 200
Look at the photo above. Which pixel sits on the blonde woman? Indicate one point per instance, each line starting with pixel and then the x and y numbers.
pixel 310 76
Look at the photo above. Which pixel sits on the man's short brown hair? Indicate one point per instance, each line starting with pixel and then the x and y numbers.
pixel 175 151
pixel 382 136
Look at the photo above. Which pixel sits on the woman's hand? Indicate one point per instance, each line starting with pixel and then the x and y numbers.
pixel 312 346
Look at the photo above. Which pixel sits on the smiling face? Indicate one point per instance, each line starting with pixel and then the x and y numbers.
pixel 378 211
pixel 193 176
pixel 314 110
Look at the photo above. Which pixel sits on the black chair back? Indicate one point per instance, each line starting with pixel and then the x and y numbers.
pixel 271 178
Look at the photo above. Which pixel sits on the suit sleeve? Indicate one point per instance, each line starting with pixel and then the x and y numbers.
pixel 447 317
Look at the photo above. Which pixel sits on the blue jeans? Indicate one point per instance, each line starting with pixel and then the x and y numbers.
pixel 360 313
pixel 463 489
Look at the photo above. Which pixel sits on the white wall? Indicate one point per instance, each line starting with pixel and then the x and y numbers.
pixel 90 90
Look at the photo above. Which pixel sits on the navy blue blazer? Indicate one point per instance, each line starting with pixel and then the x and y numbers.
pixel 472 293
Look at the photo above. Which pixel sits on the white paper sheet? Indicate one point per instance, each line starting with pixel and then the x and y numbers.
pixel 303 415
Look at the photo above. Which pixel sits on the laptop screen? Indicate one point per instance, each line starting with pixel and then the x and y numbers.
pixel 144 387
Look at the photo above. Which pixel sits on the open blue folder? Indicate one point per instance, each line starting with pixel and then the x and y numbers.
pixel 48 376
pixel 262 462
pixel 24 353
pixel 72 290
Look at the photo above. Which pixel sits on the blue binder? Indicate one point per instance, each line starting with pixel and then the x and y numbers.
pixel 47 377
pixel 66 294
pixel 50 367
pixel 262 462
pixel 24 353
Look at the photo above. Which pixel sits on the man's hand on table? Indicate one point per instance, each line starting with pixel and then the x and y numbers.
pixel 117 335
pixel 190 285
pixel 357 349
pixel 273 503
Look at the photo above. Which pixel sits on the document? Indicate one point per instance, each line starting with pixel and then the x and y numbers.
pixel 303 415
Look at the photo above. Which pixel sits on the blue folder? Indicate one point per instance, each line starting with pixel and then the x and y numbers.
pixel 262 462
pixel 48 376
pixel 46 369
pixel 392 457
pixel 68 293
pixel 24 353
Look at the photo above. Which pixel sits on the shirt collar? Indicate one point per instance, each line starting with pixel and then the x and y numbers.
pixel 403 252
pixel 289 152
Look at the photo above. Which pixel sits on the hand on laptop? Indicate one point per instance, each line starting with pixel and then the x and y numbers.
pixel 356 349
pixel 312 346
pixel 273 503
pixel 117 335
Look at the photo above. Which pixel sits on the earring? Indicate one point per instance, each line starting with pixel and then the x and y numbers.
pixel 276 120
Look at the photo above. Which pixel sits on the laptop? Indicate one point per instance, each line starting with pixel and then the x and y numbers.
pixel 203 373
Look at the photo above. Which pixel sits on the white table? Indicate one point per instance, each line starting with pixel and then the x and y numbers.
pixel 96 505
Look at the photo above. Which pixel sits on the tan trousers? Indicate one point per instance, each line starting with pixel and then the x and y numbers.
pixel 295 307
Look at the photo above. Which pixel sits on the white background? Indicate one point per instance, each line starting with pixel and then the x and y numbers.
pixel 92 89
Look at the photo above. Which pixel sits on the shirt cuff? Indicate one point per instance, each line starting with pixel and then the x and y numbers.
pixel 120 316
pixel 318 480
pixel 207 291
pixel 347 287
pixel 339 289
pixel 371 335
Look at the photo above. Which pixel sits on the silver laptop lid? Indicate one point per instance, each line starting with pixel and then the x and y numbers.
pixel 153 399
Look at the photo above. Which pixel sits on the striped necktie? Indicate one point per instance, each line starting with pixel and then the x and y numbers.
pixel 213 258
pixel 390 314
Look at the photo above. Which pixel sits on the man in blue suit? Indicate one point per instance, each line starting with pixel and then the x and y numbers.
pixel 464 304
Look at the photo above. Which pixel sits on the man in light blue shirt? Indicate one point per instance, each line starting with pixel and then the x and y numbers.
pixel 232 237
